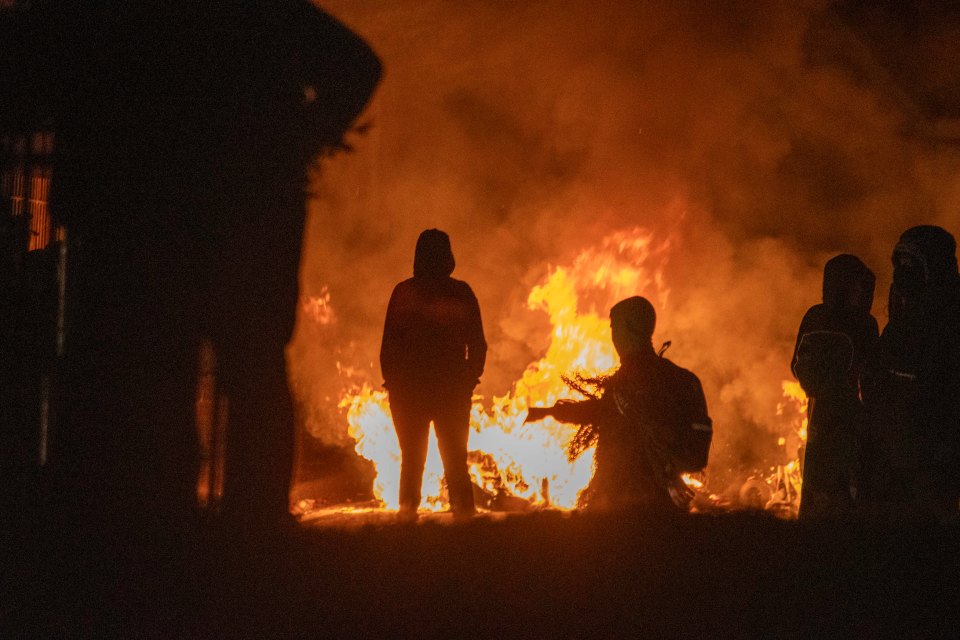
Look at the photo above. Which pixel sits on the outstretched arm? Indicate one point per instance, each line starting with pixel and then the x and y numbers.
pixel 535 414
pixel 571 411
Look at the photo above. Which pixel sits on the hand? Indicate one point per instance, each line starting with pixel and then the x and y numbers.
pixel 536 413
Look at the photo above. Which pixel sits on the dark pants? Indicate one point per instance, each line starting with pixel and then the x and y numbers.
pixel 450 413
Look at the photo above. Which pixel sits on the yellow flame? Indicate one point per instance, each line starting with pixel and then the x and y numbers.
pixel 794 394
pixel 786 480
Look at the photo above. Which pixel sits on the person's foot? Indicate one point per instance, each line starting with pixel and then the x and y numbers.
pixel 407 516
pixel 463 515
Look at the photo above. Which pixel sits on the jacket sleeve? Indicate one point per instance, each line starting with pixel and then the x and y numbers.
pixel 589 411
pixel 690 442
pixel 697 406
pixel 390 346
pixel 476 343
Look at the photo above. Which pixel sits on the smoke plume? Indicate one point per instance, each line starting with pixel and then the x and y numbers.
pixel 761 139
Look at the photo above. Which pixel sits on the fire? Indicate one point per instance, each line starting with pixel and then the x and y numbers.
pixel 786 480
pixel 794 396
pixel 524 466
pixel 509 459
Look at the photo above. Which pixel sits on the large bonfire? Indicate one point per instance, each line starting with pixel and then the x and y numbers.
pixel 526 464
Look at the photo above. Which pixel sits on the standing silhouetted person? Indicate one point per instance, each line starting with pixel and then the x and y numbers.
pixel 432 356
pixel 833 342
pixel 648 420
pixel 912 386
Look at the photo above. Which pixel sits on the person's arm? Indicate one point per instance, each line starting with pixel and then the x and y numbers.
pixel 570 411
pixel 476 342
pixel 390 345
pixel 698 404
pixel 535 414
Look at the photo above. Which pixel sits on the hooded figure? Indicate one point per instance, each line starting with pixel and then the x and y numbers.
pixel 431 357
pixel 648 420
pixel 833 343
pixel 912 387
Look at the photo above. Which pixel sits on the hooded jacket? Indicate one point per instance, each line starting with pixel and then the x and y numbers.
pixel 914 386
pixel 837 336
pixel 835 340
pixel 433 334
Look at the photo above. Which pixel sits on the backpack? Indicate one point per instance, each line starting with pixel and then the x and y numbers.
pixel 694 427
pixel 672 406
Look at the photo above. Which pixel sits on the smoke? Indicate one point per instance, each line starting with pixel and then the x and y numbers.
pixel 756 137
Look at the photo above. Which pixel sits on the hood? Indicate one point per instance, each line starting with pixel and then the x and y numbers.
pixel 848 284
pixel 433 258
pixel 925 256
pixel 632 322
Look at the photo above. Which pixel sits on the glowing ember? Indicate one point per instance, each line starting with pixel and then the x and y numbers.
pixel 318 308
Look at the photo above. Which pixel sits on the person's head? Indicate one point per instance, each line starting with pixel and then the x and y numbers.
pixel 433 257
pixel 924 256
pixel 848 284
pixel 631 324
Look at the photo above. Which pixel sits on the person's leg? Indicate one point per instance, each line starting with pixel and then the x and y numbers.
pixel 412 423
pixel 452 422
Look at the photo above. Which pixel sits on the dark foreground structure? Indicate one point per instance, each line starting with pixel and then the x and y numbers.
pixel 171 145
pixel 538 576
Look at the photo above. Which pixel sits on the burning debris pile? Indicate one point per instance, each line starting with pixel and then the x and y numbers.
pixel 520 467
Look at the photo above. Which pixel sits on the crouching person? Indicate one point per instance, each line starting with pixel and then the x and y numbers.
pixel 648 421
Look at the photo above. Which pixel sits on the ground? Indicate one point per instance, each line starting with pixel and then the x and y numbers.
pixel 541 575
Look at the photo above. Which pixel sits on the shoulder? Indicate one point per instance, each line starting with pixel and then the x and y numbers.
pixel 461 288
pixel 403 290
pixel 683 376
pixel 682 380
pixel 404 285
pixel 816 316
